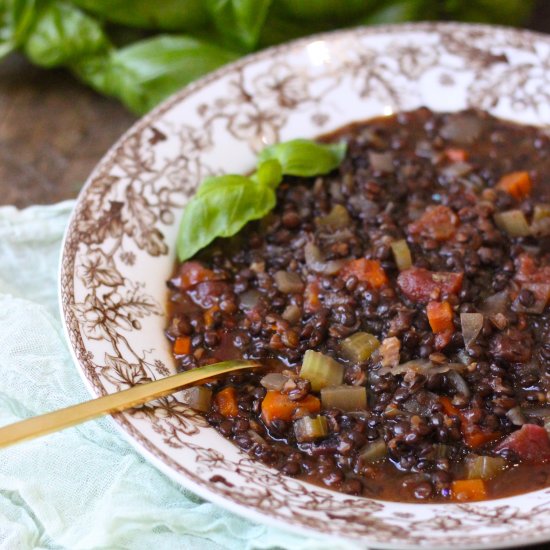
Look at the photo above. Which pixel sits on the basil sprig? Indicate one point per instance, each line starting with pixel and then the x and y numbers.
pixel 222 205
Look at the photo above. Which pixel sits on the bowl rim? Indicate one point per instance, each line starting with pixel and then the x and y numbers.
pixel 141 443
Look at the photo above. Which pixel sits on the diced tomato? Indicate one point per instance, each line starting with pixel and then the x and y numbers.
pixel 517 184
pixel 530 443
pixel 438 222
pixel 420 285
pixel 226 400
pixel 456 155
pixel 527 270
pixel 468 489
pixel 192 273
pixel 182 345
pixel 312 302
pixel 277 405
pixel 367 271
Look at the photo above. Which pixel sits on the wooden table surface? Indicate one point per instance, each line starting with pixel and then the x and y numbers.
pixel 53 130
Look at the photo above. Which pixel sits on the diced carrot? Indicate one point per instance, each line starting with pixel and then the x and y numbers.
pixel 468 489
pixel 312 302
pixel 456 155
pixel 182 345
pixel 226 400
pixel 448 406
pixel 277 405
pixel 368 271
pixel 477 438
pixel 517 184
pixel 440 316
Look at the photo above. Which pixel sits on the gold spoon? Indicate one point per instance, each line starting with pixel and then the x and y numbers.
pixel 113 403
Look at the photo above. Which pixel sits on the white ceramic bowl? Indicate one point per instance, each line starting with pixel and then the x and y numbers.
pixel 119 250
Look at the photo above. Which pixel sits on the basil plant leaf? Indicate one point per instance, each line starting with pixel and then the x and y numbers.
pixel 302 157
pixel 221 210
pixel 270 173
pixel 239 21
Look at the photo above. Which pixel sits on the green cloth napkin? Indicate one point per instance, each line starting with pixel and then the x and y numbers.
pixel 85 487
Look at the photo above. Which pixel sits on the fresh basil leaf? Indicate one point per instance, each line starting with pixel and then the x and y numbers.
pixel 146 72
pixel 221 211
pixel 166 15
pixel 270 173
pixel 239 20
pixel 63 34
pixel 221 183
pixel 302 157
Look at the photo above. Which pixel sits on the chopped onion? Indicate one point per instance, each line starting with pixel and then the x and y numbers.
pixel 495 303
pixel 484 467
pixel 321 370
pixel 540 225
pixel 472 323
pixel 360 346
pixel 374 451
pixel 337 218
pixel 288 282
pixel 461 128
pixel 316 262
pixel 381 162
pixel 456 170
pixel 345 398
pixel 401 254
pixel 309 429
pixel 197 397
pixel 459 383
pixel 422 366
pixel 249 299
pixel 513 222
pixel 516 417
pixel 274 381
pixel 292 313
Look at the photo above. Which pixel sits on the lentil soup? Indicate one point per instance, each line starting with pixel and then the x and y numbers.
pixel 399 305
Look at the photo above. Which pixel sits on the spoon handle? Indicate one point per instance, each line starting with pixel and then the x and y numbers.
pixel 112 403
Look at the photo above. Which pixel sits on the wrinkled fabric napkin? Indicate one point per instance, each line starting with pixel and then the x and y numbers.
pixel 85 487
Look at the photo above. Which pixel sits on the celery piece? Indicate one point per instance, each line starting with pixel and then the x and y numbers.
pixel 541 212
pixel 374 451
pixel 337 218
pixel 309 428
pixel 321 370
pixel 513 222
pixel 401 254
pixel 359 346
pixel 197 397
pixel 483 467
pixel 345 398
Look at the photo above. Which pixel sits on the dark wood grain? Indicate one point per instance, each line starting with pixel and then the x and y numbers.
pixel 53 130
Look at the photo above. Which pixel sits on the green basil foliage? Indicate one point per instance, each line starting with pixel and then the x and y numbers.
pixel 223 205
pixel 141 51
pixel 301 157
